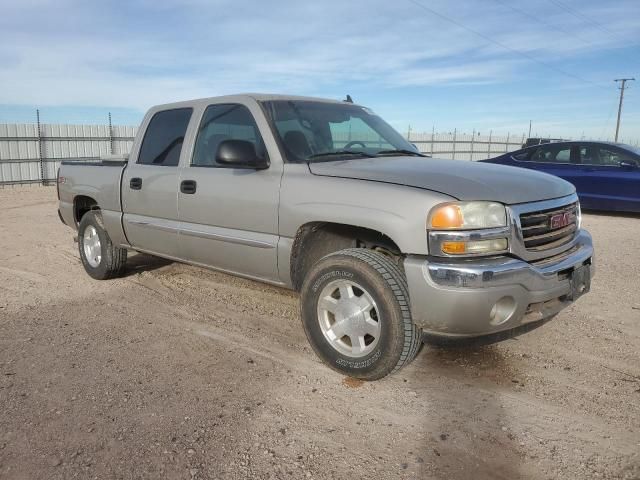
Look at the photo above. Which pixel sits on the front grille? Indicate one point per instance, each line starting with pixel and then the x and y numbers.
pixel 547 229
pixel 555 258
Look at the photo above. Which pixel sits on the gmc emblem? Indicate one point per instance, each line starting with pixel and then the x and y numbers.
pixel 560 220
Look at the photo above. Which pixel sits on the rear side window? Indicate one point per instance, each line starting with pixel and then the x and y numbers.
pixel 552 154
pixel 522 156
pixel 164 137
pixel 541 155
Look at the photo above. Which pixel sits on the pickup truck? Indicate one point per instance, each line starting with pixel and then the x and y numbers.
pixel 387 248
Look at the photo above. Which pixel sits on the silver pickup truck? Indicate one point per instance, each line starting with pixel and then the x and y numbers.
pixel 388 248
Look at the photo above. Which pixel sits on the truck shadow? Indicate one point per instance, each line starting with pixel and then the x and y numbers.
pixel 469 434
pixel 141 262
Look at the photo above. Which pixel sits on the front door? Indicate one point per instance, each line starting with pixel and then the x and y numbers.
pixel 609 178
pixel 229 216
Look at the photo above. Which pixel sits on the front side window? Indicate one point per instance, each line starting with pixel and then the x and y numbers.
pixel 612 158
pixel 164 137
pixel 225 122
pixel 313 131
pixel 602 156
pixel 563 155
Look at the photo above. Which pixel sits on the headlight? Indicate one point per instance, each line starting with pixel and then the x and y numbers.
pixel 467 216
pixel 468 229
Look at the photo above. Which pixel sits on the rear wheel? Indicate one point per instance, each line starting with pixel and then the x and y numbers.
pixel 355 312
pixel 100 258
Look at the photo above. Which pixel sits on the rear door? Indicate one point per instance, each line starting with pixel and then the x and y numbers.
pixel 150 184
pixel 558 159
pixel 229 216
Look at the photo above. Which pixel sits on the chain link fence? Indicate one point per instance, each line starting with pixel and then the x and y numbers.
pixel 464 146
pixel 31 153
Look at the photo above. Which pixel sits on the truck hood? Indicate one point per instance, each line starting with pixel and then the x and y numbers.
pixel 463 180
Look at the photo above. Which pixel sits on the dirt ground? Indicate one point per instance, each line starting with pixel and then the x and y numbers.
pixel 179 372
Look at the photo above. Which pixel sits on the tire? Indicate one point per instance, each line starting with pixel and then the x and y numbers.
pixel 100 258
pixel 355 313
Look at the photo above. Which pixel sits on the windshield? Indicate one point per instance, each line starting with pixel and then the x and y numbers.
pixel 319 131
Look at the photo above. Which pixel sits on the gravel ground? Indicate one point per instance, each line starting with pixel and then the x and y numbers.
pixel 179 372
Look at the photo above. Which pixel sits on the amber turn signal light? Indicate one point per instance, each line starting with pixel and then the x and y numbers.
pixel 449 216
pixel 454 248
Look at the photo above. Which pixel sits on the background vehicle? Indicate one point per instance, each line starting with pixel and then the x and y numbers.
pixel 326 198
pixel 539 141
pixel 606 175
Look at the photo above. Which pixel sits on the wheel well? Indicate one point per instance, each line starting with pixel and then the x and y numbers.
pixel 81 205
pixel 317 239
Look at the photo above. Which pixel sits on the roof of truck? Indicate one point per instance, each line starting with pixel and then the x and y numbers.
pixel 260 97
pixel 263 97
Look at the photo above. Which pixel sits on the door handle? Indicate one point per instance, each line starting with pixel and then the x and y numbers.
pixel 135 183
pixel 188 187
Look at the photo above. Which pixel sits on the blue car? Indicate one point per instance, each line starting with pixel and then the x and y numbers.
pixel 606 175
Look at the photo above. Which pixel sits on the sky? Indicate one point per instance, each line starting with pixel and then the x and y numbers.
pixel 470 65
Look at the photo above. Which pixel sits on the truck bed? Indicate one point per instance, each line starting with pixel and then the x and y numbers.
pixel 78 179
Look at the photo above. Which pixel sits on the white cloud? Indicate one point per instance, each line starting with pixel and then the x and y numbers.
pixel 143 52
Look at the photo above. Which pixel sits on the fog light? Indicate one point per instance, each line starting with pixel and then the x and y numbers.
pixel 502 310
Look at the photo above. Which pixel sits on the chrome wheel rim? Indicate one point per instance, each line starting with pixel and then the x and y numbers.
pixel 348 318
pixel 91 246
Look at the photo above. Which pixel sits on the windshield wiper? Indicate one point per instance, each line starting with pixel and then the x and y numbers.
pixel 340 152
pixel 402 151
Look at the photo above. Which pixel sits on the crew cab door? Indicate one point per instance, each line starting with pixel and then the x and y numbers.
pixel 150 184
pixel 229 216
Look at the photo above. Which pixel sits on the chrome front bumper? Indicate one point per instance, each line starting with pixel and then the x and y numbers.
pixel 477 297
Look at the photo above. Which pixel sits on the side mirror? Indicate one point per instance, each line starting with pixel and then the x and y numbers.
pixel 240 154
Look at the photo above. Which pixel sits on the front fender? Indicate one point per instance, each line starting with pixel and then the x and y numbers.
pixel 397 211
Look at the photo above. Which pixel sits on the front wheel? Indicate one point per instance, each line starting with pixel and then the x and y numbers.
pixel 100 258
pixel 355 313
